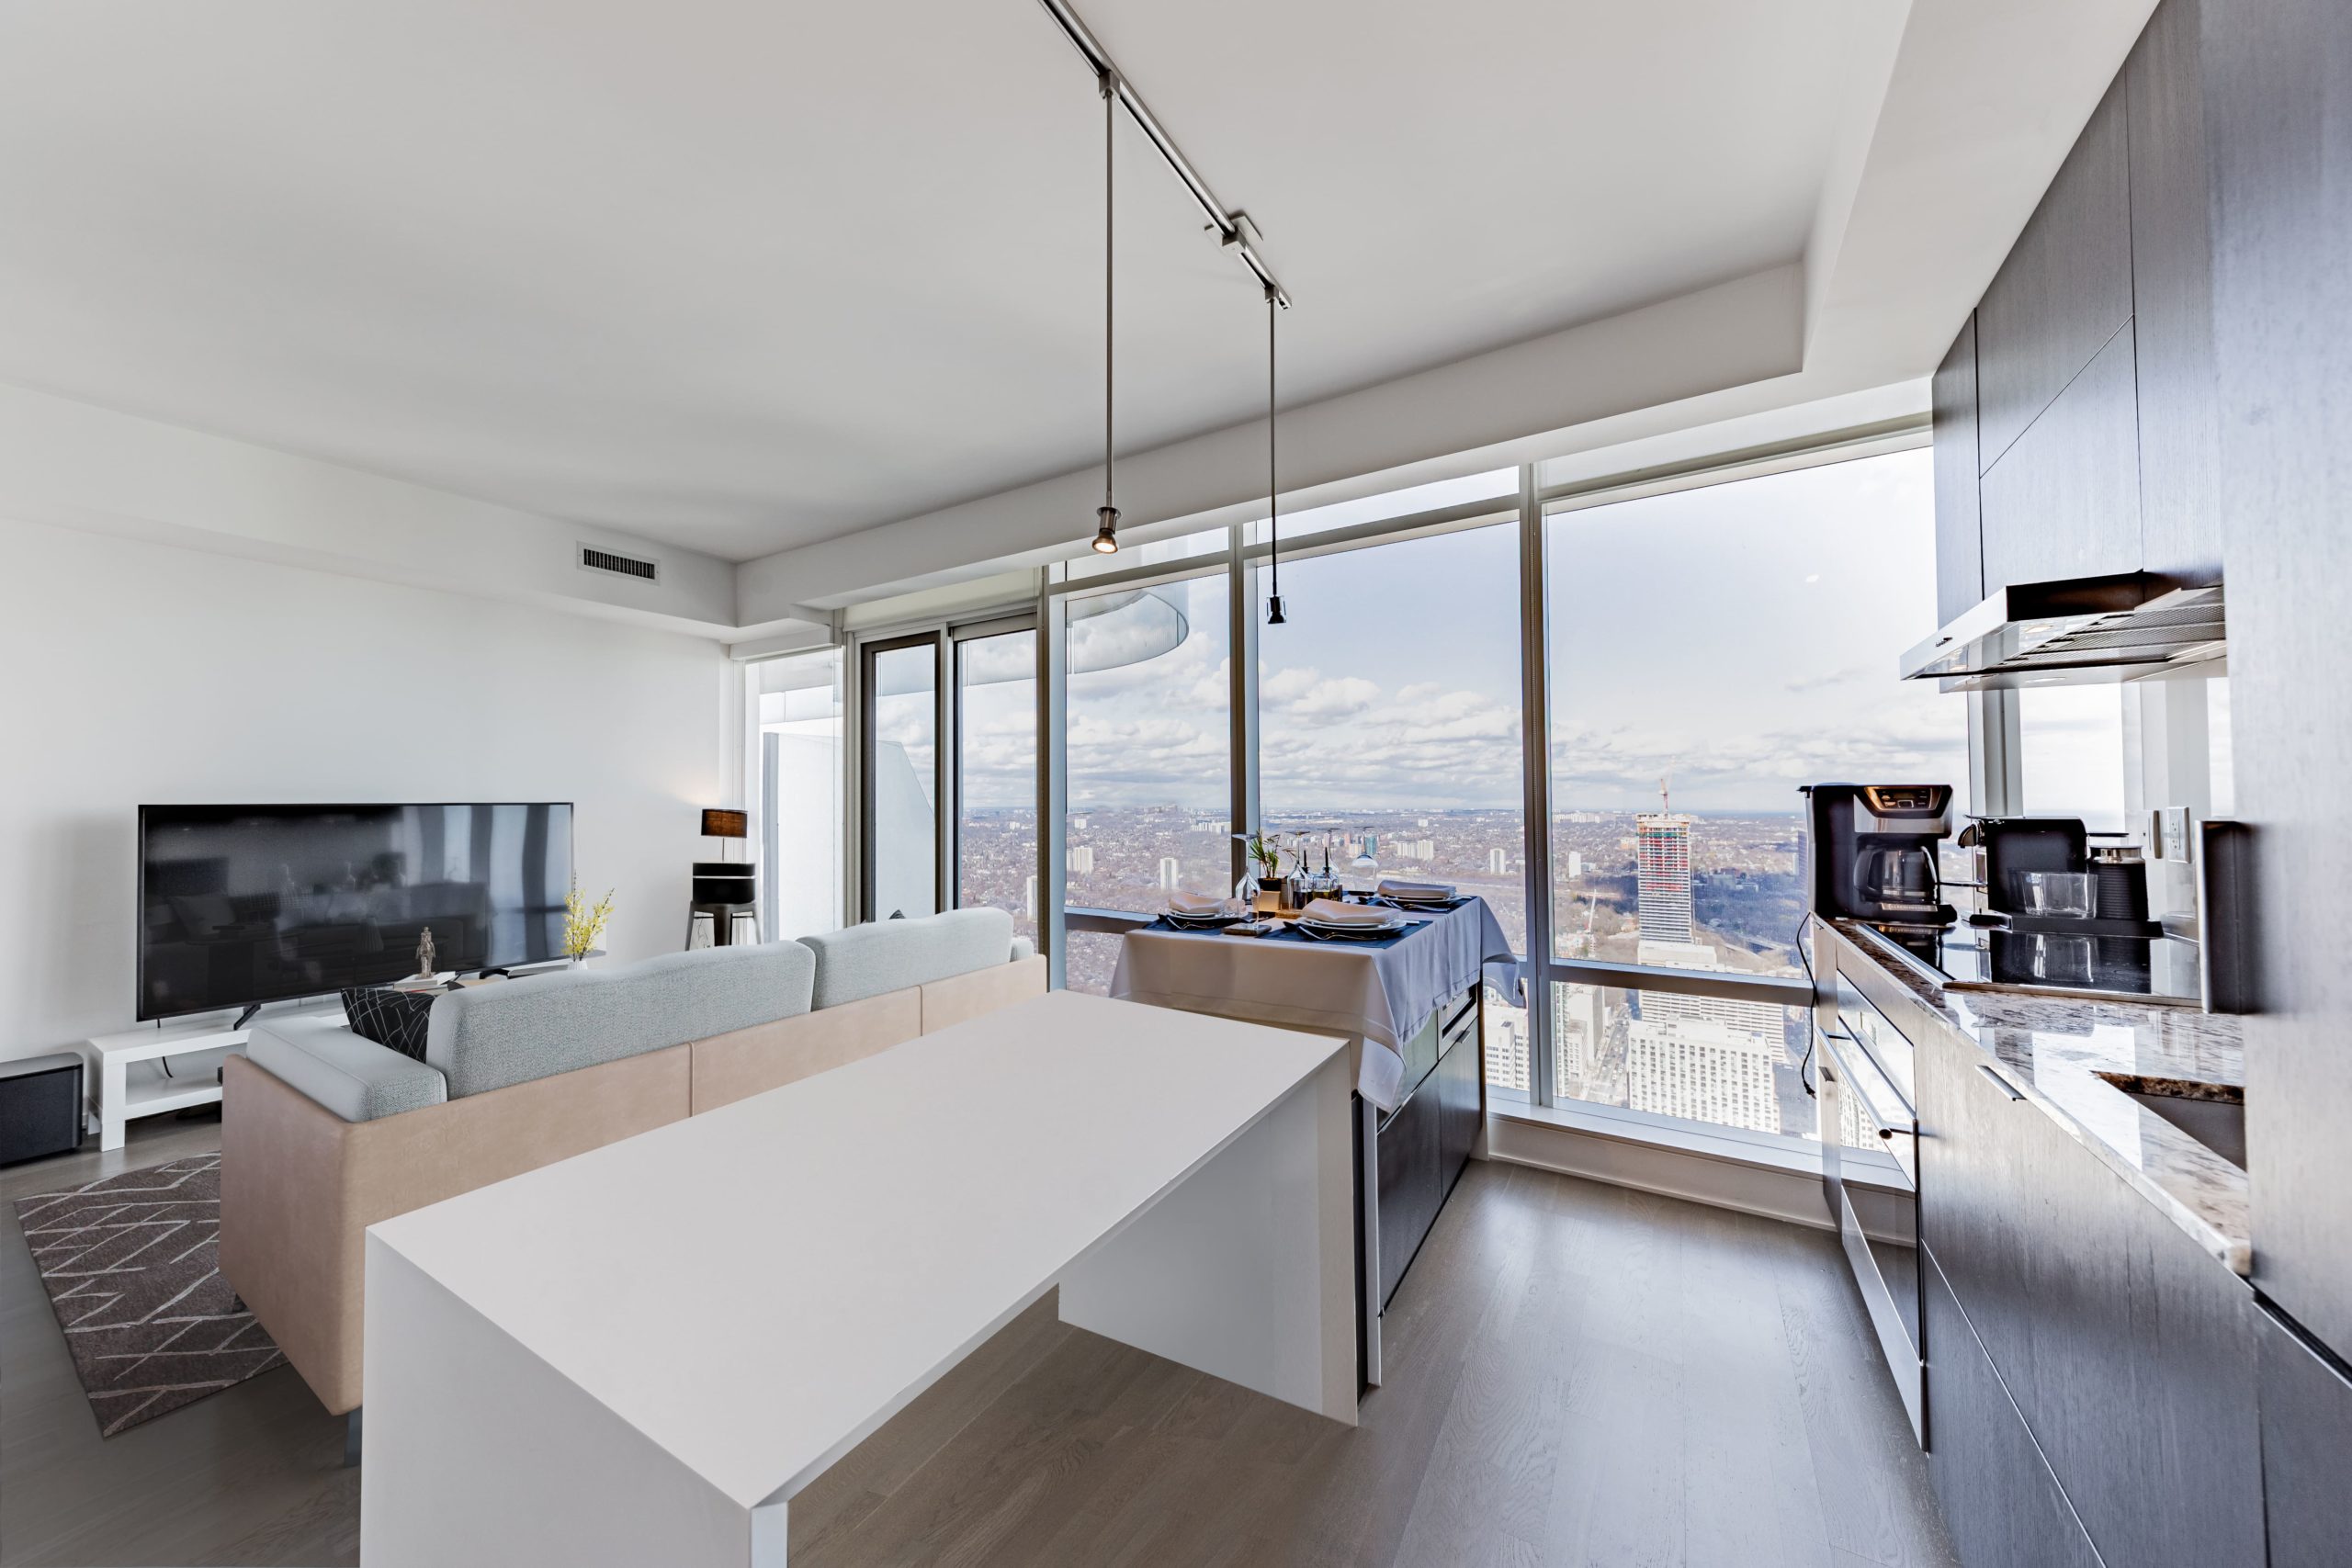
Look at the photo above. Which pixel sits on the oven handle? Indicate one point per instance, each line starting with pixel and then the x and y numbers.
pixel 2004 1085
pixel 1886 1126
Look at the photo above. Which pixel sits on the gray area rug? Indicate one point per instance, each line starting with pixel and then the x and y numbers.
pixel 133 1265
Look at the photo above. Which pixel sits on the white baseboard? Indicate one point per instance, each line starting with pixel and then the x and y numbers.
pixel 1776 1184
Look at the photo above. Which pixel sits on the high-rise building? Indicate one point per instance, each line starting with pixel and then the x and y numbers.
pixel 1081 857
pixel 1497 862
pixel 1701 1071
pixel 1172 872
pixel 1577 1022
pixel 1506 1053
pixel 1662 862
pixel 1760 1018
pixel 1576 864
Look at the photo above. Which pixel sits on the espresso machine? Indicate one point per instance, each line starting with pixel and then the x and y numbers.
pixel 1871 852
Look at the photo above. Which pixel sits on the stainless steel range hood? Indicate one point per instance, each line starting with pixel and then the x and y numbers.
pixel 2083 631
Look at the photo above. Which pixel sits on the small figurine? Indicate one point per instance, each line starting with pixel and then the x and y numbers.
pixel 424 965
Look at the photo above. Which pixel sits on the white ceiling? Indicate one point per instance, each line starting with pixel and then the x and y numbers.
pixel 739 277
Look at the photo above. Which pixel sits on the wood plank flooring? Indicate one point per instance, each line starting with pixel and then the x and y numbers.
pixel 253 1475
pixel 1577 1375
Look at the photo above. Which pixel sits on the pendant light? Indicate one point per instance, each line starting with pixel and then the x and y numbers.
pixel 1106 516
pixel 1273 493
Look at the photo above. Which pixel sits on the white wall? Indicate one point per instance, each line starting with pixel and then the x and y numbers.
pixel 135 671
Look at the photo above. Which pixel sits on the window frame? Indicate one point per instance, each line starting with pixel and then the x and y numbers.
pixel 1991 718
pixel 869 650
pixel 955 636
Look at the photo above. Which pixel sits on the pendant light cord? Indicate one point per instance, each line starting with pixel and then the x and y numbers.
pixel 1110 232
pixel 1273 493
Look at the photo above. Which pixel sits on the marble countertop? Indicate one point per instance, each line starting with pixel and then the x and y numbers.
pixel 2052 1050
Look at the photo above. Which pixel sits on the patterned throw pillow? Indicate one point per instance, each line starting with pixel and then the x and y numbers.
pixel 391 1018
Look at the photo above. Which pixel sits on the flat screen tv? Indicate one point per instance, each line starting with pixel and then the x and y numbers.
pixel 241 905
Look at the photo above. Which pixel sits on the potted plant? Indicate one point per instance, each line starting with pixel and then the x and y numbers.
pixel 583 923
pixel 1266 856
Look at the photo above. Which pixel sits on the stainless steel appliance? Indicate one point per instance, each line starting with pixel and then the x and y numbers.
pixel 1870 1173
pixel 2127 626
pixel 2063 911
pixel 1872 851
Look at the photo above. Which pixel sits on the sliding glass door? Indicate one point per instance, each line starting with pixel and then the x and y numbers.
pixel 899 782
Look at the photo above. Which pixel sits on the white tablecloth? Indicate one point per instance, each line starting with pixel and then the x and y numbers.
pixel 1378 995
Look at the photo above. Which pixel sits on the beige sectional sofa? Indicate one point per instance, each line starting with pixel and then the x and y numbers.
pixel 323 1132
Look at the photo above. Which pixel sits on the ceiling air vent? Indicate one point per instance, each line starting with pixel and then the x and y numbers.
pixel 593 560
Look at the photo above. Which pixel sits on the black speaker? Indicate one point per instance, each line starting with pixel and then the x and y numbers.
pixel 40 1107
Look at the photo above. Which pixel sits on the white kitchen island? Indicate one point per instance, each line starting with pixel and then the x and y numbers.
pixel 641 1355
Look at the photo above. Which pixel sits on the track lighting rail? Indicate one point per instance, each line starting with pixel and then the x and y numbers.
pixel 1234 229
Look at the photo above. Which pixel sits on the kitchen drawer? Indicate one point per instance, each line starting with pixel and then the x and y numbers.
pixel 2127 1349
pixel 2002 1505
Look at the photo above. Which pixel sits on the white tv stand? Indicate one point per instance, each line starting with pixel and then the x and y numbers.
pixel 146 1072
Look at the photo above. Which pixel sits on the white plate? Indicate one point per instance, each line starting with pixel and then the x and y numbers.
pixel 1362 933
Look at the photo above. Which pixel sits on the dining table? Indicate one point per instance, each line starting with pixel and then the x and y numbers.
pixel 1378 991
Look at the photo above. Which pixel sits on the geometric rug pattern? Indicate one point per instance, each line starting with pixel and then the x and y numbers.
pixel 133 1265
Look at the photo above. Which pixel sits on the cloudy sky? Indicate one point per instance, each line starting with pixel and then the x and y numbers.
pixel 1741 638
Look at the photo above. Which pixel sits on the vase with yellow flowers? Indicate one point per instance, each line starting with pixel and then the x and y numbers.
pixel 583 923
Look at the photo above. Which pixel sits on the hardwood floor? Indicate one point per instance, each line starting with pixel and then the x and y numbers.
pixel 253 1475
pixel 1577 1375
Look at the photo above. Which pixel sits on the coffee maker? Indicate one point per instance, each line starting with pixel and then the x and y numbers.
pixel 1872 850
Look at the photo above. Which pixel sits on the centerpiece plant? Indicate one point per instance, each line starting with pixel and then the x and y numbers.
pixel 583 923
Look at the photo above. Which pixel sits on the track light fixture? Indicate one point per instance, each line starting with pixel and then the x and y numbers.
pixel 1235 232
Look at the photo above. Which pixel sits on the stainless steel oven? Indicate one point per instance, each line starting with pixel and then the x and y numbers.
pixel 1869 1142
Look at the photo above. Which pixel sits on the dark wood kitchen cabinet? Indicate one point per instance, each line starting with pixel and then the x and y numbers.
pixel 2085 380
pixel 2306 1451
pixel 2064 501
pixel 2065 290
pixel 2002 1506
pixel 1960 551
pixel 1425 1141
pixel 2172 298
pixel 2127 1349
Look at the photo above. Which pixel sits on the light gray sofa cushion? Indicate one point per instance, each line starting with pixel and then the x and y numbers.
pixel 890 956
pixel 350 1075
pixel 486 1037
pixel 1023 948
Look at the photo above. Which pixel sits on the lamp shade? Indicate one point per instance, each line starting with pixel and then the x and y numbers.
pixel 720 824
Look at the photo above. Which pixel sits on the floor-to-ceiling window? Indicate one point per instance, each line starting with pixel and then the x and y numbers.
pixel 996 774
pixel 2071 753
pixel 901 776
pixel 1388 726
pixel 798 737
pixel 1698 653
pixel 1710 651
pixel 1147 756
